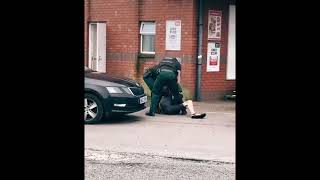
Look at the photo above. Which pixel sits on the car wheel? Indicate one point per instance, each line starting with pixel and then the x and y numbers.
pixel 93 109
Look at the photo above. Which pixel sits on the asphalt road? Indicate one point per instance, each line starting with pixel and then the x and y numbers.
pixel 136 146
pixel 122 166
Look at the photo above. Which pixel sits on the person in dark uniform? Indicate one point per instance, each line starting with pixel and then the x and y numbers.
pixel 150 77
pixel 168 107
pixel 169 75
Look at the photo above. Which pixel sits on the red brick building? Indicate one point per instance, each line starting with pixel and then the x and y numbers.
pixel 124 37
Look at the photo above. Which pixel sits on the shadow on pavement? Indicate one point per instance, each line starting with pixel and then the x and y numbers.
pixel 121 119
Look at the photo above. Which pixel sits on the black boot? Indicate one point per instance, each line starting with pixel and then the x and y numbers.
pixel 150 114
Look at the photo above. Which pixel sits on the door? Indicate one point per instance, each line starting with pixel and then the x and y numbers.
pixel 97 46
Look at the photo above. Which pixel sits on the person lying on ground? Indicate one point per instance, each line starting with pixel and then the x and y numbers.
pixel 167 106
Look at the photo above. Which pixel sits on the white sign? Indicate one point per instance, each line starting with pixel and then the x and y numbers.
pixel 213 57
pixel 214 25
pixel 173 35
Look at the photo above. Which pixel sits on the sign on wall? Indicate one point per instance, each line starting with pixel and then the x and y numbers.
pixel 213 57
pixel 214 25
pixel 173 35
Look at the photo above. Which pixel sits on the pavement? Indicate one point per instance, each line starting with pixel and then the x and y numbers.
pixel 170 136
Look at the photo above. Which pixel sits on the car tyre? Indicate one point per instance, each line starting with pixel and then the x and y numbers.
pixel 93 109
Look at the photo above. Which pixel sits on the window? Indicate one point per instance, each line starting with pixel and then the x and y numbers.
pixel 147 32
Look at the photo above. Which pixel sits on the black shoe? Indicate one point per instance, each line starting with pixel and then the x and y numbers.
pixel 150 114
pixel 198 116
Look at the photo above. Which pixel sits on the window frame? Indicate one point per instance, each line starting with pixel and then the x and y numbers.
pixel 147 33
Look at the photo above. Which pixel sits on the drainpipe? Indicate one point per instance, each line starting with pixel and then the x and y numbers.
pixel 199 51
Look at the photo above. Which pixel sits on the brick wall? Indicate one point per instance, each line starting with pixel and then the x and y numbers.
pixel 160 11
pixel 123 19
pixel 214 84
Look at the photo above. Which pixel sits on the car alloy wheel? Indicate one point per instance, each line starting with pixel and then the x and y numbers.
pixel 90 109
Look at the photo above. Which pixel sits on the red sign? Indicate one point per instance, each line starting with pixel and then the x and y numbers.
pixel 214 25
pixel 213 61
